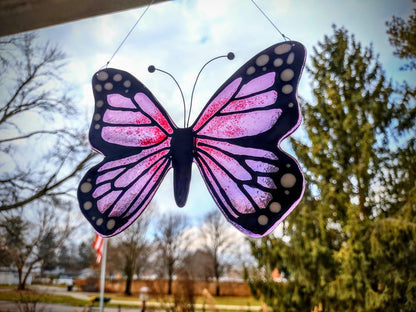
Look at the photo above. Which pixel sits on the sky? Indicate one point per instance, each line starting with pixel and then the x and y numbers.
pixel 180 36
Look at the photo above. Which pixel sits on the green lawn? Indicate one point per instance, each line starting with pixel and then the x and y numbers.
pixel 31 296
pixel 251 301
pixel 235 301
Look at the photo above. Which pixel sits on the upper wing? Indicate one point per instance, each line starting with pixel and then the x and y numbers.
pixel 127 117
pixel 134 133
pixel 238 133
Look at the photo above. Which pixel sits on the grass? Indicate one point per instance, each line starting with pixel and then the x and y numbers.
pixel 130 301
pixel 222 300
pixel 234 301
pixel 32 296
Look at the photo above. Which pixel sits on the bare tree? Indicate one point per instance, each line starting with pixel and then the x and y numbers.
pixel 133 246
pixel 23 239
pixel 40 148
pixel 198 265
pixel 216 243
pixel 170 240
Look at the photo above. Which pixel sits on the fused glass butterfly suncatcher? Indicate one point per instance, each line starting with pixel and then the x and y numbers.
pixel 235 143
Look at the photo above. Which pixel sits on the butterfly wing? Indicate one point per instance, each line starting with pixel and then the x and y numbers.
pixel 237 140
pixel 133 132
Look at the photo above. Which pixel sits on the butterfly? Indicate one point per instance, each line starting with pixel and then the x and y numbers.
pixel 235 143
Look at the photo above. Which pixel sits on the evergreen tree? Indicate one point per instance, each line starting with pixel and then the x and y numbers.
pixel 402 36
pixel 86 255
pixel 393 240
pixel 336 253
pixel 47 242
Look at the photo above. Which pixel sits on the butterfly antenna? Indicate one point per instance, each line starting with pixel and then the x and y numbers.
pixel 152 69
pixel 230 56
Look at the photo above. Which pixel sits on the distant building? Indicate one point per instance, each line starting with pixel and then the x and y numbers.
pixel 9 276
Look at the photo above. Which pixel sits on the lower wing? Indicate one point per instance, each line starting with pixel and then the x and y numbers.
pixel 114 193
pixel 255 188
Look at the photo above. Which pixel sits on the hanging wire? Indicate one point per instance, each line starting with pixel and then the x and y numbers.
pixel 128 34
pixel 270 21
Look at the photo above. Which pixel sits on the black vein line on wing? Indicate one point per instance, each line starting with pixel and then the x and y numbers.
pixel 202 164
pixel 236 181
pixel 241 160
pixel 253 109
pixel 163 162
pixel 152 119
pixel 126 188
pixel 138 126
pixel 129 166
pixel 232 99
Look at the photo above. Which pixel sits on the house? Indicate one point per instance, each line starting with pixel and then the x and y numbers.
pixel 9 276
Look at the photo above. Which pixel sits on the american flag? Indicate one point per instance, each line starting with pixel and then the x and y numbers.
pixel 98 246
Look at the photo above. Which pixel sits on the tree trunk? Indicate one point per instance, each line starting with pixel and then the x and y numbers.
pixel 128 286
pixel 170 285
pixel 21 285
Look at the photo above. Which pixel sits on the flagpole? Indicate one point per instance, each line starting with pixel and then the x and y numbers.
pixel 102 282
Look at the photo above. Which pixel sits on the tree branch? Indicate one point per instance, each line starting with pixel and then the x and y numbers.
pixel 47 188
pixel 26 136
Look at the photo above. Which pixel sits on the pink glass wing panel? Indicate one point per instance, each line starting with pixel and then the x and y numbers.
pixel 241 125
pixel 150 108
pixel 229 163
pixel 266 182
pixel 118 181
pixel 261 166
pixel 152 177
pixel 131 174
pixel 109 175
pixel 117 100
pixel 133 136
pixel 125 118
pixel 134 158
pixel 237 198
pixel 261 198
pixel 104 203
pixel 258 101
pixel 257 84
pixel 102 189
pixel 131 193
pixel 214 189
pixel 237 149
pixel 214 106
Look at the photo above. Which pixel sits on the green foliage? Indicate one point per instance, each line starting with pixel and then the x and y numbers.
pixel 350 245
pixel 393 249
pixel 402 36
pixel 86 255
pixel 13 230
